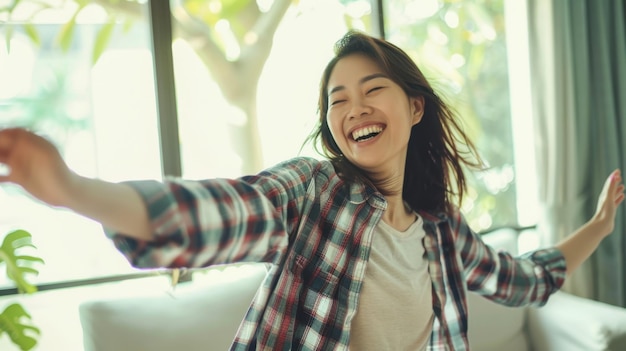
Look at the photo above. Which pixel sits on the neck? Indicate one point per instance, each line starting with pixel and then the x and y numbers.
pixel 389 184
pixel 397 214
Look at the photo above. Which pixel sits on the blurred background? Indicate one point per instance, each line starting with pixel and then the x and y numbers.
pixel 222 88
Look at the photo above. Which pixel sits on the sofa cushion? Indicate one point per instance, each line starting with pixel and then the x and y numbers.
pixel 494 327
pixel 573 323
pixel 200 315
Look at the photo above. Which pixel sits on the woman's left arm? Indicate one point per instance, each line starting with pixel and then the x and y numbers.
pixel 577 247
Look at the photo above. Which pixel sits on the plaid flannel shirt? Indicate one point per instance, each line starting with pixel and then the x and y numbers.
pixel 316 230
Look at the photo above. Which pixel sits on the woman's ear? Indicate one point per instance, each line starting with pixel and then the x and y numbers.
pixel 417 108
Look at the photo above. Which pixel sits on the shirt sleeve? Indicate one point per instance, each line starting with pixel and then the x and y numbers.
pixel 511 280
pixel 214 221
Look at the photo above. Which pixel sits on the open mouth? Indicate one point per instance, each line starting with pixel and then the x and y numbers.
pixel 366 133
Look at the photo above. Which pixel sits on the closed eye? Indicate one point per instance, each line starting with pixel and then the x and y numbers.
pixel 374 89
pixel 336 102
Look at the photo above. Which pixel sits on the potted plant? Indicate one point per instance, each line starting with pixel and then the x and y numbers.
pixel 15 321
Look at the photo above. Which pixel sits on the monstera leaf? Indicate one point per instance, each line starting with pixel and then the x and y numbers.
pixel 12 322
pixel 15 263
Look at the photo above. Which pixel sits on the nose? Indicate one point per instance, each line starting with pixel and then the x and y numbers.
pixel 359 109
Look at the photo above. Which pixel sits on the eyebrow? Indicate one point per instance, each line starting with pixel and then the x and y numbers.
pixel 361 81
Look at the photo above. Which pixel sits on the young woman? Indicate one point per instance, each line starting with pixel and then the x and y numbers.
pixel 368 249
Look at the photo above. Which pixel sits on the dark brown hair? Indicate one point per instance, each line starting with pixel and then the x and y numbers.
pixel 434 172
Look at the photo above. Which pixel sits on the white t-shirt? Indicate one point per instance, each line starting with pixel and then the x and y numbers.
pixel 395 309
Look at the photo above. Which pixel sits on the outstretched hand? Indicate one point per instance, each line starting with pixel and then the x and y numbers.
pixel 35 164
pixel 611 196
pixel 576 248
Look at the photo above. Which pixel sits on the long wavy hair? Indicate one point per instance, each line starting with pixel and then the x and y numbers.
pixel 438 147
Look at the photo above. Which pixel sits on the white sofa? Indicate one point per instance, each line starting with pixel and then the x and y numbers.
pixel 204 315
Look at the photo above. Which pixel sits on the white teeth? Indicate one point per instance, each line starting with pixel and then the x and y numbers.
pixel 366 131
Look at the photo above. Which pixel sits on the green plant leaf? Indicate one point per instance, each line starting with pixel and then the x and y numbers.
pixel 15 268
pixel 128 24
pixel 10 7
pixel 82 3
pixel 64 38
pixel 483 20
pixel 32 33
pixel 231 8
pixel 102 40
pixel 8 34
pixel 12 322
pixel 66 34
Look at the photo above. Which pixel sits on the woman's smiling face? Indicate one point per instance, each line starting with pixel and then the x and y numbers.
pixel 370 116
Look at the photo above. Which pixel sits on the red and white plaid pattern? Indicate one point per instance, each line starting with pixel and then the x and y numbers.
pixel 316 230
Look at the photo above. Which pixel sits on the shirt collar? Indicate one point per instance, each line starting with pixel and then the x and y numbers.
pixel 434 218
pixel 361 192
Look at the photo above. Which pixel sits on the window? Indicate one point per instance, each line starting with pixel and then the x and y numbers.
pixel 227 130
pixel 104 114
pixel 101 115
pixel 461 46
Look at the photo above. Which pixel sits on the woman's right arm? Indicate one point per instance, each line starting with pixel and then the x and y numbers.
pixel 36 165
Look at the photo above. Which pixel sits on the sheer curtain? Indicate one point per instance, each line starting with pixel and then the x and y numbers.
pixel 578 79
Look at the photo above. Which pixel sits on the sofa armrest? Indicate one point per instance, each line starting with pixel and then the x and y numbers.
pixel 572 323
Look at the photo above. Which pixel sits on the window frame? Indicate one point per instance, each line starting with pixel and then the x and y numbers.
pixel 160 27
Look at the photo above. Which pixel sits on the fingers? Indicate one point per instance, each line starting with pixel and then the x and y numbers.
pixel 619 194
pixel 616 175
pixel 5 171
pixel 11 148
pixel 619 199
pixel 8 138
pixel 6 141
pixel 616 187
